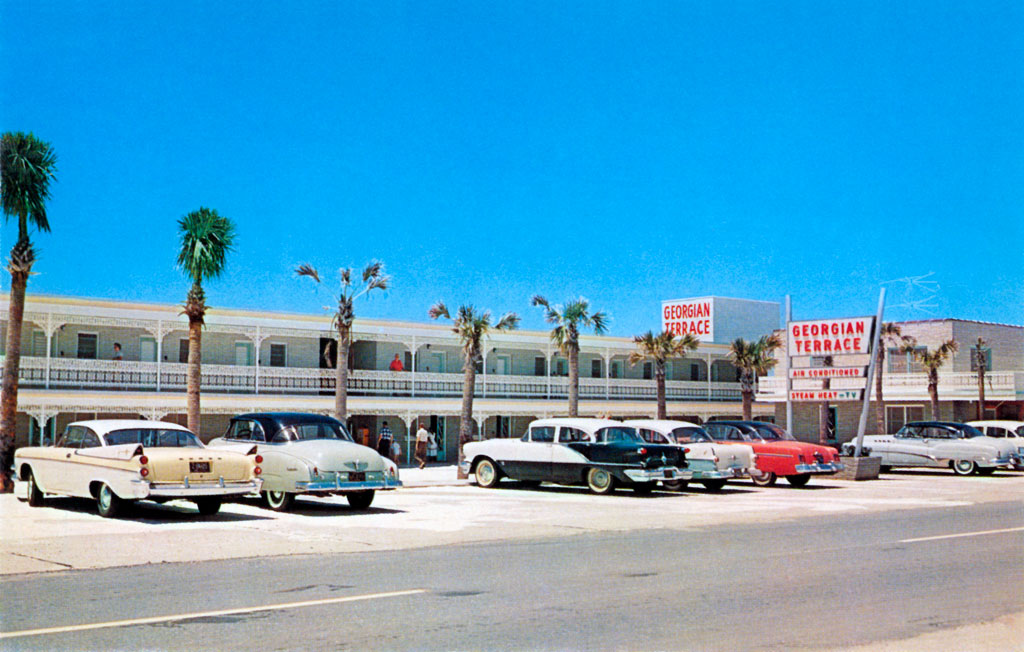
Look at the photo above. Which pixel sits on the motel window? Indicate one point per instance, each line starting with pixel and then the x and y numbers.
pixel 502 426
pixel 278 355
pixel 648 371
pixel 561 367
pixel 898 415
pixel 183 350
pixel 984 353
pixel 595 368
pixel 87 346
pixel 905 363
pixel 616 370
pixel 694 372
pixel 538 366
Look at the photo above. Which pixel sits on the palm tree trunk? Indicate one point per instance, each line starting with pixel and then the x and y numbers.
pixel 12 364
pixel 574 382
pixel 981 388
pixel 195 371
pixel 879 405
pixel 659 379
pixel 823 417
pixel 341 375
pixel 933 392
pixel 748 403
pixel 466 416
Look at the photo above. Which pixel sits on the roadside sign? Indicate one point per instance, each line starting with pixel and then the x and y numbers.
pixel 830 336
pixel 801 395
pixel 828 372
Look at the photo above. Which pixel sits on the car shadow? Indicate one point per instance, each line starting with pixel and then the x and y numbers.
pixel 149 512
pixel 948 473
pixel 316 508
pixel 575 490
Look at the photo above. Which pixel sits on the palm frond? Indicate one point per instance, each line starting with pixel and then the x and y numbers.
pixel 538 300
pixel 438 310
pixel 599 320
pixel 373 270
pixel 27 165
pixel 346 276
pixel 305 269
pixel 206 239
pixel 508 322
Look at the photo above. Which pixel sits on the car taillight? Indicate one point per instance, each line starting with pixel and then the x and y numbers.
pixel 143 460
pixel 143 471
pixel 642 451
pixel 686 450
pixel 259 459
pixel 716 459
pixel 257 471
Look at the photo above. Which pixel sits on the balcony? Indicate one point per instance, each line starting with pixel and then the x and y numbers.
pixel 999 386
pixel 72 373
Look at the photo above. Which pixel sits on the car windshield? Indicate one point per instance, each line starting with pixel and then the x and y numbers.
pixel 617 433
pixel 769 432
pixel 153 438
pixel 969 431
pixel 690 435
pixel 310 431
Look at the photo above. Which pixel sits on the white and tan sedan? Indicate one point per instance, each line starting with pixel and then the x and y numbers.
pixel 711 463
pixel 115 461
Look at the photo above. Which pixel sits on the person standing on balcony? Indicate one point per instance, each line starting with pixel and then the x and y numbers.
pixel 422 439
pixel 117 352
pixel 384 441
pixel 396 364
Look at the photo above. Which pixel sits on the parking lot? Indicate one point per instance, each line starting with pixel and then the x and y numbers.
pixel 435 509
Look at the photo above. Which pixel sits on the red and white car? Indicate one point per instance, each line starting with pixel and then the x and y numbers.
pixel 778 452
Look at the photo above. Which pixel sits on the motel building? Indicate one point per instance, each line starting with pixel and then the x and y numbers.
pixel 905 383
pixel 259 361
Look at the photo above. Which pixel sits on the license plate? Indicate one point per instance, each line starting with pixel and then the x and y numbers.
pixel 668 474
pixel 198 467
pixel 356 477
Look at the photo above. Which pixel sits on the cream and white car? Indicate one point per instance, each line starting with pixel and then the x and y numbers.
pixel 115 461
pixel 1009 433
pixel 711 463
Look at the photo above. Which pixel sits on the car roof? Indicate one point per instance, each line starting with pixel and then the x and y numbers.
pixel 274 421
pixel 737 422
pixel 935 424
pixel 1005 423
pixel 661 425
pixel 590 425
pixel 103 426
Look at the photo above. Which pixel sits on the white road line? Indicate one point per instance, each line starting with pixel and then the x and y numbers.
pixel 206 614
pixel 965 534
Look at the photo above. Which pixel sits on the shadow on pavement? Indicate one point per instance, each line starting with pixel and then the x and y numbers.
pixel 313 507
pixel 149 512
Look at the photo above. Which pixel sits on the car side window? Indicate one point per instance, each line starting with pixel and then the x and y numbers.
pixel 73 437
pixel 733 433
pixel 996 431
pixel 90 439
pixel 543 434
pixel 716 431
pixel 570 435
pixel 241 429
pixel 648 435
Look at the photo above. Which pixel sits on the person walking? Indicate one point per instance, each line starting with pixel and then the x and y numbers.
pixel 396 452
pixel 384 441
pixel 422 438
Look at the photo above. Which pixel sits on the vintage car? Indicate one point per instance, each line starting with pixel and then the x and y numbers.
pixel 778 452
pixel 309 454
pixel 599 453
pixel 1011 432
pixel 114 461
pixel 940 444
pixel 709 463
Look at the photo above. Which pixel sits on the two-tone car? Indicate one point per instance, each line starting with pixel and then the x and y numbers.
pixel 115 461
pixel 599 453
pixel 940 444
pixel 1010 432
pixel 709 463
pixel 779 454
pixel 309 455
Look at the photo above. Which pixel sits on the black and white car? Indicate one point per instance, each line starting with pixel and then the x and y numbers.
pixel 599 453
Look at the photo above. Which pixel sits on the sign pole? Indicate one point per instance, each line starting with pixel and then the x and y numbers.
pixel 875 342
pixel 789 365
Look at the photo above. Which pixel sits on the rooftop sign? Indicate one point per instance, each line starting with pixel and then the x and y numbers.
pixel 693 316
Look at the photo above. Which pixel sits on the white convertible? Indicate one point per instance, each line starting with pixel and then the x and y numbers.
pixel 710 463
pixel 939 444
pixel 114 461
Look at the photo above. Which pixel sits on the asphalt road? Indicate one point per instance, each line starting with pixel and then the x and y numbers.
pixel 835 581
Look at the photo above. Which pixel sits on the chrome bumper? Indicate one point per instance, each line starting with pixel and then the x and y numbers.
pixel 651 475
pixel 337 485
pixel 188 489
pixel 720 474
pixel 828 467
pixel 464 467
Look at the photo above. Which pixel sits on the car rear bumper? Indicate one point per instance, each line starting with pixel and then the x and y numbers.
pixel 186 489
pixel 720 474
pixel 651 475
pixel 336 486
pixel 827 467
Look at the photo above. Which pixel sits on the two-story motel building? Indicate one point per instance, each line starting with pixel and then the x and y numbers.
pixel 258 361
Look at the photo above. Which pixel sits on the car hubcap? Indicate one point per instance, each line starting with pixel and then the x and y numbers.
pixel 105 497
pixel 963 467
pixel 276 497
pixel 600 479
pixel 31 486
pixel 485 473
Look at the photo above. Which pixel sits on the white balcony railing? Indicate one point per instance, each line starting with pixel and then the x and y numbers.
pixel 73 373
pixel 999 386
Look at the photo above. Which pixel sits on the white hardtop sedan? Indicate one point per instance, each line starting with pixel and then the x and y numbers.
pixel 958 446
pixel 1011 432
pixel 710 463
pixel 119 460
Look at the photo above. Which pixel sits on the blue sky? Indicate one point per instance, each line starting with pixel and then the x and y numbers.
pixel 627 152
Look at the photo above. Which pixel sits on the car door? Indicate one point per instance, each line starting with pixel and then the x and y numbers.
pixel 567 461
pixel 82 469
pixel 57 475
pixel 910 447
pixel 532 459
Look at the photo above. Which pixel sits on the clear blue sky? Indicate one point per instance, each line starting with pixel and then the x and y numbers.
pixel 486 151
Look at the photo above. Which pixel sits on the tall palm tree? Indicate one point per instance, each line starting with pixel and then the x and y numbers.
pixel 206 239
pixel 932 362
pixel 978 352
pixel 568 320
pixel 891 336
pixel 753 359
pixel 471 327
pixel 660 348
pixel 27 165
pixel 374 278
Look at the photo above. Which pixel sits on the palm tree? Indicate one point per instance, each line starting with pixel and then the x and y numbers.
pixel 823 406
pixel 891 336
pixel 932 361
pixel 978 352
pixel 753 359
pixel 660 348
pixel 471 327
pixel 206 239
pixel 374 278
pixel 27 165
pixel 566 335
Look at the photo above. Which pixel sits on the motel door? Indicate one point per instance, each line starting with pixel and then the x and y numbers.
pixel 440 436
